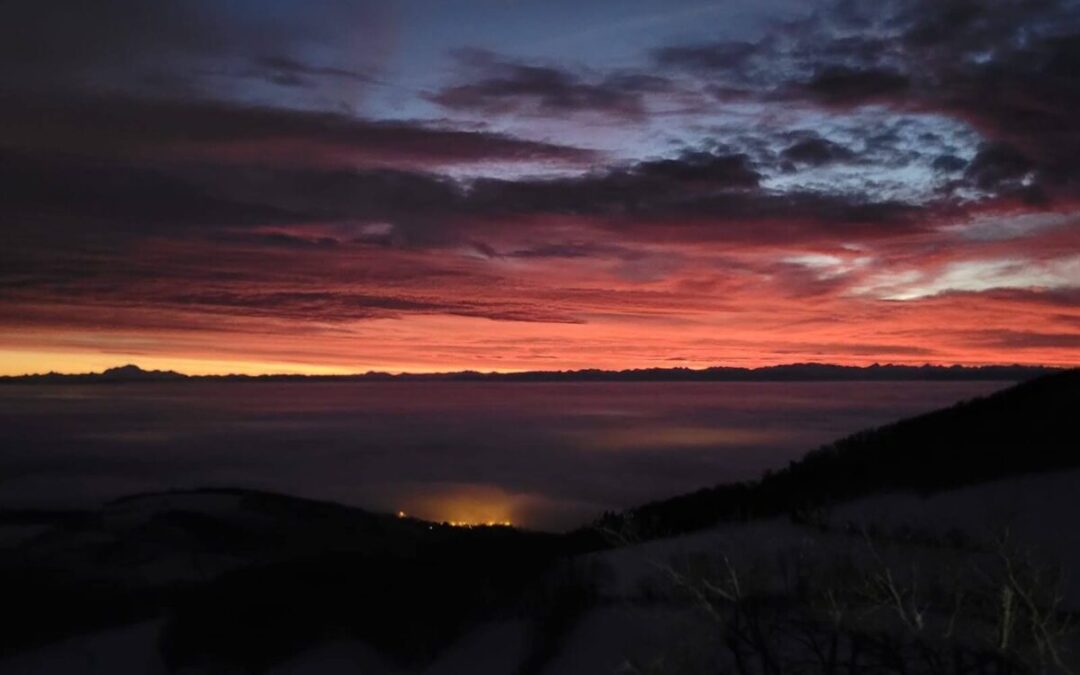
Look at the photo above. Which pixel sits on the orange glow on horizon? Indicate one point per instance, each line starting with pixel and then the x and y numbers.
pixel 776 306
pixel 15 364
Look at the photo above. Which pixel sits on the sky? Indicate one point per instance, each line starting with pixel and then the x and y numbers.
pixel 430 185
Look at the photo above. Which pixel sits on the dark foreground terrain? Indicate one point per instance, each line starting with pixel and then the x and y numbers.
pixel 883 552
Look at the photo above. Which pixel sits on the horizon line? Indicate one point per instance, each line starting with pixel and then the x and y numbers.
pixel 568 371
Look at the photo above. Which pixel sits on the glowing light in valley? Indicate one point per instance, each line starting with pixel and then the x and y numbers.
pixel 490 523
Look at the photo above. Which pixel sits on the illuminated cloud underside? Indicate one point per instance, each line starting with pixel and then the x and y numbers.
pixel 254 192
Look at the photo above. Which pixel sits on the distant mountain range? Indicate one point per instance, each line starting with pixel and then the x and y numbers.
pixel 795 372
pixel 128 373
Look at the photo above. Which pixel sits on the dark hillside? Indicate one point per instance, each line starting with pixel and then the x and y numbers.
pixel 255 566
pixel 1027 428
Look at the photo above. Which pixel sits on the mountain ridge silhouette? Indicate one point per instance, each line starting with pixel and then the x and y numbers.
pixel 792 372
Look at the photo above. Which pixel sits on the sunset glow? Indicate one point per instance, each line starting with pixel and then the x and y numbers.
pixel 496 336
pixel 713 185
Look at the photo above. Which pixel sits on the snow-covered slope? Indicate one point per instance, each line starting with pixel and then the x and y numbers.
pixel 633 618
